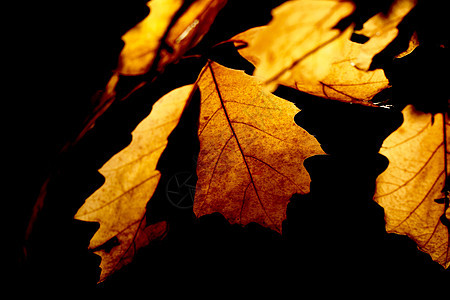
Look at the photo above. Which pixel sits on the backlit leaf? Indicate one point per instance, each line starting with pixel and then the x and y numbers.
pixel 130 180
pixel 381 30
pixel 300 49
pixel 299 41
pixel 341 80
pixel 251 151
pixel 163 36
pixel 410 188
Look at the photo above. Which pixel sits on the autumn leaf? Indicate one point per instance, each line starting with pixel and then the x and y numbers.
pixel 327 70
pixel 300 37
pixel 130 180
pixel 163 36
pixel 381 30
pixel 251 151
pixel 414 188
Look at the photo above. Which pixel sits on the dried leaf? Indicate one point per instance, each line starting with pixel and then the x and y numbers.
pixel 251 151
pixel 156 39
pixel 408 189
pixel 381 30
pixel 130 180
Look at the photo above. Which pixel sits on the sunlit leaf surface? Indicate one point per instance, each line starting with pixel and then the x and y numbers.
pixel 251 151
pixel 300 42
pixel 301 49
pixel 165 35
pixel 130 180
pixel 410 189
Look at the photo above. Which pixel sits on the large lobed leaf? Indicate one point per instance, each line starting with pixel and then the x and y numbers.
pixel 251 151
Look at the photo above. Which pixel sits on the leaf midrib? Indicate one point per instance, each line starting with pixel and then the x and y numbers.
pixel 237 141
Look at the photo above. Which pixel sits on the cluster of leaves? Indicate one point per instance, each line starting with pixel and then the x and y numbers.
pixel 251 152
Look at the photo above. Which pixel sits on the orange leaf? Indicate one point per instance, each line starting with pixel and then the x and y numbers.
pixel 251 151
pixel 131 179
pixel 408 189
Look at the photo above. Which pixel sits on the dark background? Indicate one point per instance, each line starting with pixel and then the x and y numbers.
pixel 334 236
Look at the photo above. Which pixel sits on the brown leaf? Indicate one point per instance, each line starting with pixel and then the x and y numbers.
pixel 251 151
pixel 408 189
pixel 130 181
pixel 163 36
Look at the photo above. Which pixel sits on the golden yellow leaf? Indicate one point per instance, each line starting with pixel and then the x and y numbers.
pixel 130 181
pixel 163 37
pixel 345 82
pixel 341 80
pixel 300 37
pixel 300 49
pixel 251 151
pixel 381 30
pixel 418 167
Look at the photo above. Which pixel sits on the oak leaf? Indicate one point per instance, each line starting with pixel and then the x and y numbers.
pixel 130 180
pixel 251 151
pixel 413 190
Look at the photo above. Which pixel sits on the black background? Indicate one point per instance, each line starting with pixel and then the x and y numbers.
pixel 62 54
